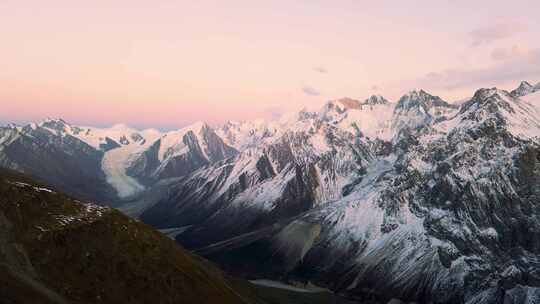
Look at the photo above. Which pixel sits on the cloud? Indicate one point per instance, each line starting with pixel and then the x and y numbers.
pixel 273 112
pixel 310 91
pixel 522 65
pixel 490 33
pixel 320 69
pixel 501 54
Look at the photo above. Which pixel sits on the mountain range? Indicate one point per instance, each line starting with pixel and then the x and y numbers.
pixel 419 199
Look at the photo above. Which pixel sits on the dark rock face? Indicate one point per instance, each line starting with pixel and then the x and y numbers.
pixel 375 99
pixel 146 163
pixel 184 163
pixel 524 88
pixel 202 149
pixel 421 99
pixel 216 149
pixel 63 161
pixel 254 189
pixel 418 109
pixel 108 145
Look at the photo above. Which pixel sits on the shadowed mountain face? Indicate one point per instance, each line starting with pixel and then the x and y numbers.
pixel 63 161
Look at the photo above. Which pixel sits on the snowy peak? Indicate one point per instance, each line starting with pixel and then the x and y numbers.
pixel 491 100
pixel 333 106
pixel 246 134
pixel 348 103
pixel 198 138
pixel 523 89
pixel 500 109
pixel 344 104
pixel 174 143
pixel 56 124
pixel 419 108
pixel 375 100
pixel 421 99
pixel 103 139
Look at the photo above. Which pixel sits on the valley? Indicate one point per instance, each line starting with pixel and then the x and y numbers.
pixel 419 199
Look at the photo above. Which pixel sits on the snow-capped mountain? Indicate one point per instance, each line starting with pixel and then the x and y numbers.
pixel 120 161
pixel 417 109
pixel 418 199
pixel 55 156
pixel 422 205
pixel 525 88
pixel 181 152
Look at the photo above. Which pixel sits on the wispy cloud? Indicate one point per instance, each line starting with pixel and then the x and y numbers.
pixel 320 69
pixel 502 54
pixel 310 91
pixel 517 66
pixel 493 32
pixel 273 112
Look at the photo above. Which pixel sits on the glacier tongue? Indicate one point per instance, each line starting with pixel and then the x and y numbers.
pixel 114 164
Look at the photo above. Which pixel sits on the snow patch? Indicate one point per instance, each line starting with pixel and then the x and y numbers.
pixel 281 285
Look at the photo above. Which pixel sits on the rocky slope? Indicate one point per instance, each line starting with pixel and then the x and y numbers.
pixel 54 249
pixel 179 153
pixel 525 88
pixel 107 165
pixel 438 203
pixel 64 161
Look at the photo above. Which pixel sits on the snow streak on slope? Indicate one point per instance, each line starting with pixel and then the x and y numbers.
pixel 172 142
pixel 533 98
pixel 246 134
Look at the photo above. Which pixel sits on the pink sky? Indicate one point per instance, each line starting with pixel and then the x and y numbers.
pixel 168 63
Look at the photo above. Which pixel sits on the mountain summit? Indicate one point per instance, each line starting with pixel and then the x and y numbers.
pixel 418 200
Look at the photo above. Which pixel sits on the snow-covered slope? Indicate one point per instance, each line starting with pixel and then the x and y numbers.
pixel 525 89
pixel 418 108
pixel 246 134
pixel 422 205
pixel 533 98
pixel 419 200
pixel 129 159
pixel 120 145
pixel 371 118
pixel 49 152
pixel 180 152
pixel 101 138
